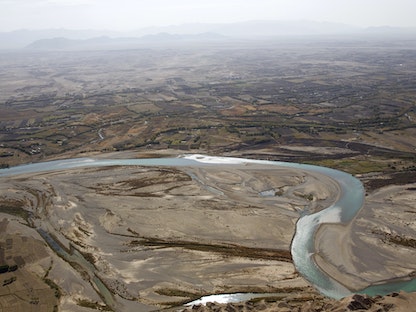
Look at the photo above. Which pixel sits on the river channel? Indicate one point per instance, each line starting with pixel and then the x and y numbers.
pixel 348 204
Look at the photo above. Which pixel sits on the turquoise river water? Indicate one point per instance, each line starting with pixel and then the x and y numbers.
pixel 349 203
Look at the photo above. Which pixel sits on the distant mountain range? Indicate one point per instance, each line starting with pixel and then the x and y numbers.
pixel 62 39
pixel 105 42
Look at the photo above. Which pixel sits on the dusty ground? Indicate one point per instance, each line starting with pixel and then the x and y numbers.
pixel 27 286
pixel 380 243
pixel 160 236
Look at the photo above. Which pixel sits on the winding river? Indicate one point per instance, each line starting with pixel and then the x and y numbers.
pixel 349 203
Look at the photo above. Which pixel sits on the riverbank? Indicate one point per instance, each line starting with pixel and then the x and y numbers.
pixel 159 236
pixel 378 246
pixel 396 302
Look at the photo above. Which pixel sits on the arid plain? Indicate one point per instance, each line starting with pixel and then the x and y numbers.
pixel 135 238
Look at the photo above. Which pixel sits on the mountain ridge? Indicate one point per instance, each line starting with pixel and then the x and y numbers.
pixel 260 29
pixel 105 42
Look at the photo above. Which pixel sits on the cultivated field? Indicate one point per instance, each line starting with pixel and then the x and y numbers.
pixel 141 239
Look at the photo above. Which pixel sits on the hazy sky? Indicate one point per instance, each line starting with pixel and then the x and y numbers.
pixel 136 14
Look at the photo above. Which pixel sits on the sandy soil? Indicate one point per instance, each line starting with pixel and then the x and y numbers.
pixel 379 245
pixel 160 236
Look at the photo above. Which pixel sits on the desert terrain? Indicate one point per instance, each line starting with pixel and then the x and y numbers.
pixel 134 238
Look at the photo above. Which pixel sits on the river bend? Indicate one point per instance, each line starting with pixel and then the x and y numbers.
pixel 349 203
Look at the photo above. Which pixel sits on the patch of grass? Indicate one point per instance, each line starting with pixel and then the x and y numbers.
pixel 353 166
pixel 93 305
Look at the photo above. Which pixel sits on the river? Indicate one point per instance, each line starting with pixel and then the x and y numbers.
pixel 348 204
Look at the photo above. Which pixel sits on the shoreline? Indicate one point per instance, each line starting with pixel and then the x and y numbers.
pixel 229 179
pixel 360 240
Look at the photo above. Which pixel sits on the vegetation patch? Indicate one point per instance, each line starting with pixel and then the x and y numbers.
pixel 174 292
pixel 396 239
pixel 93 305
pixel 14 207
pixel 399 178
pixel 353 166
pixel 225 250
pixel 51 284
